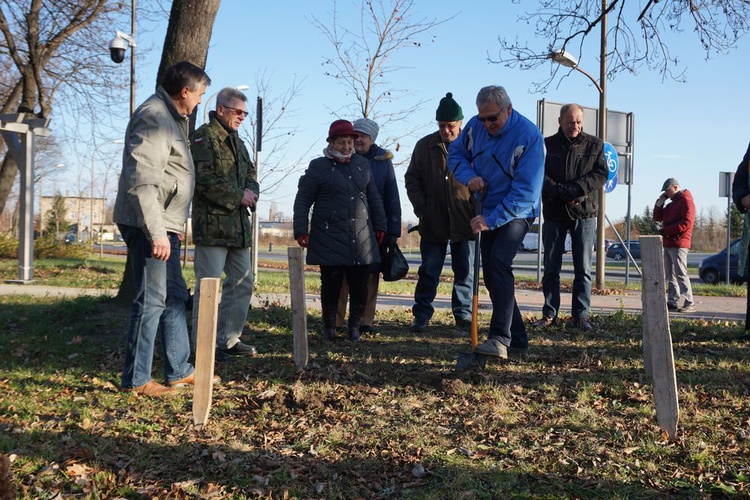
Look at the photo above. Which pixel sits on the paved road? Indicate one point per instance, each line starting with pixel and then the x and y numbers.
pixel 525 263
pixel 529 301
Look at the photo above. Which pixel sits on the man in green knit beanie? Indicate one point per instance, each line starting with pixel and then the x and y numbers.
pixel 444 208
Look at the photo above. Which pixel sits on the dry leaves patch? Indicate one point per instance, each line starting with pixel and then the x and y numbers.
pixel 388 417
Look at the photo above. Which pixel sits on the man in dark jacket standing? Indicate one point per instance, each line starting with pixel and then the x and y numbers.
pixel 445 208
pixel 574 172
pixel 226 189
pixel 677 218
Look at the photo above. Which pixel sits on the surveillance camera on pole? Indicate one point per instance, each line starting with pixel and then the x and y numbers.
pixel 119 45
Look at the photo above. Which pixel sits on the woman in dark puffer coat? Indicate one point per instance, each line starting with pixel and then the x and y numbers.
pixel 348 222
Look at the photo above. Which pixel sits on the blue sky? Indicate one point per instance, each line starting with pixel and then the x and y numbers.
pixel 691 131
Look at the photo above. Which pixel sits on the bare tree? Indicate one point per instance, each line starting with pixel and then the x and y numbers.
pixel 54 62
pixel 279 129
pixel 55 216
pixel 636 36
pixel 48 48
pixel 364 56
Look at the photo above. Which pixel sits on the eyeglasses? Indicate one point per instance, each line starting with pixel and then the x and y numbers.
pixel 239 112
pixel 491 118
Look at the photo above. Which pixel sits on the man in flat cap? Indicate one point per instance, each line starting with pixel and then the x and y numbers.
pixel 677 218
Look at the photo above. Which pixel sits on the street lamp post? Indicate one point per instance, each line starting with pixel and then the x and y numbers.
pixel 567 60
pixel 122 41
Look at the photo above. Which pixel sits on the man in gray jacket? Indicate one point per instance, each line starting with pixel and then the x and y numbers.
pixel 153 198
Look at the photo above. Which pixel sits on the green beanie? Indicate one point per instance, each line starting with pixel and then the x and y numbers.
pixel 448 110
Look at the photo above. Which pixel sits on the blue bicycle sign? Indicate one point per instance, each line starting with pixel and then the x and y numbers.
pixel 610 155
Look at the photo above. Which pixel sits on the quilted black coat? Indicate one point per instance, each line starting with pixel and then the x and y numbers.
pixel 346 212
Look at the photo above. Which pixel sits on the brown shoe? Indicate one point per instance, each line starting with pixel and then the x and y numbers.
pixel 190 380
pixel 152 389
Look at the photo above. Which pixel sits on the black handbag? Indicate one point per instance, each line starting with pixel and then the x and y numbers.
pixel 393 264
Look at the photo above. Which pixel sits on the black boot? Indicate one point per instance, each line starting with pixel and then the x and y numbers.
pixel 329 333
pixel 354 333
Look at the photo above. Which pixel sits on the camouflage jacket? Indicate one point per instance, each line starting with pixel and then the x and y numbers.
pixel 222 172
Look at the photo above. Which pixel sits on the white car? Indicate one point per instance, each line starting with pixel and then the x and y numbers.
pixel 530 242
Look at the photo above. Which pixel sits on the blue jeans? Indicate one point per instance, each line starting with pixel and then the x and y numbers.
pixel 236 290
pixel 582 234
pixel 499 248
pixel 159 306
pixel 433 259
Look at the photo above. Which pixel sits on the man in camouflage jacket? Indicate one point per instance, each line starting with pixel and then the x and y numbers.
pixel 226 190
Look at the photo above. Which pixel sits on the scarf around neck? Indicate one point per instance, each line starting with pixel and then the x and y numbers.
pixel 334 155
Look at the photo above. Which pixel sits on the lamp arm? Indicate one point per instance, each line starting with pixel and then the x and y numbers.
pixel 596 84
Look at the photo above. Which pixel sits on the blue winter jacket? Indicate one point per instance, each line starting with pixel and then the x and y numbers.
pixel 511 163
pixel 384 177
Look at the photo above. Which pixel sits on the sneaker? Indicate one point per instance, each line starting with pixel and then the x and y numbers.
pixel 687 308
pixel 672 307
pixel 545 322
pixel 492 347
pixel 366 329
pixel 190 380
pixel 152 389
pixel 240 349
pixel 582 324
pixel 419 326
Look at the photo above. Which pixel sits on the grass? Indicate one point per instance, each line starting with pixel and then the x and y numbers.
pixel 386 418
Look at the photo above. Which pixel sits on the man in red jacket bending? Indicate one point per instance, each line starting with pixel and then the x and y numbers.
pixel 677 218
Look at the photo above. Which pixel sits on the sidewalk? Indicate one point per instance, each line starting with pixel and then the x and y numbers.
pixel 529 301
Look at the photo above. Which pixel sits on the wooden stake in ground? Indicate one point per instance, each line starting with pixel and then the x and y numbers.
pixel 658 357
pixel 299 305
pixel 208 308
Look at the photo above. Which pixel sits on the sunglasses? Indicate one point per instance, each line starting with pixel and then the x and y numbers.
pixel 491 118
pixel 238 112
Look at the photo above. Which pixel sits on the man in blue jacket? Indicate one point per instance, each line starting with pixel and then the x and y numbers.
pixel 501 153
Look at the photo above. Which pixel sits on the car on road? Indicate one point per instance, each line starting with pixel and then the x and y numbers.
pixel 713 269
pixel 617 250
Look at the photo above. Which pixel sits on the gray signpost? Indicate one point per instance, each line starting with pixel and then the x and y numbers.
pixel 725 191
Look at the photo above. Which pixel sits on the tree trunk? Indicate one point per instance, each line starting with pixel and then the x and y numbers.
pixel 188 37
pixel 8 172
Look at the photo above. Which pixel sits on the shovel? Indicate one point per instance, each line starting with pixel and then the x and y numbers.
pixel 468 360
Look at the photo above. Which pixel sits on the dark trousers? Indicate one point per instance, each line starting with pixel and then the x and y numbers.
pixel 499 248
pixel 331 278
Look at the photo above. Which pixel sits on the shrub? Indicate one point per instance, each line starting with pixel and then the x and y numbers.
pixel 47 247
pixel 8 247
